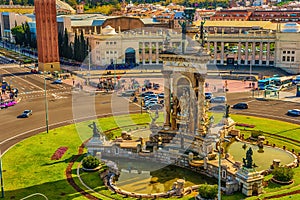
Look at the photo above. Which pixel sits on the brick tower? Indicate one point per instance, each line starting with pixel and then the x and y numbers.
pixel 47 35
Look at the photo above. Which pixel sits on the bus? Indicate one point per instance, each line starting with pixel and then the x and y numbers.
pixel 283 82
pixel 263 83
pixel 278 82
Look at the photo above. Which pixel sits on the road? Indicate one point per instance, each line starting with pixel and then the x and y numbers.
pixel 66 106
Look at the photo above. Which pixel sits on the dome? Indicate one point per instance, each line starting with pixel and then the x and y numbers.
pixel 108 30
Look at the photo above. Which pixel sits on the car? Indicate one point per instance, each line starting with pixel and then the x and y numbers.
pixel 208 95
pixel 155 107
pixel 218 99
pixel 128 93
pixel 220 108
pixel 57 81
pixel 25 114
pixel 149 103
pixel 241 105
pixel 3 105
pixel 161 95
pixel 11 103
pixel 294 112
pixel 147 93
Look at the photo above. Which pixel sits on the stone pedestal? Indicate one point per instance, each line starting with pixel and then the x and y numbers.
pixel 250 181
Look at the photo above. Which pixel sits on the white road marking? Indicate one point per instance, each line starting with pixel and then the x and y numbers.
pixel 24 80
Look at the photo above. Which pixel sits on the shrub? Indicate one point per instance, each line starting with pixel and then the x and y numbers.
pixel 90 162
pixel 283 174
pixel 208 191
pixel 255 134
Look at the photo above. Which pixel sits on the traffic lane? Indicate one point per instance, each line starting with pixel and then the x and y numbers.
pixel 58 110
pixel 31 82
pixel 273 109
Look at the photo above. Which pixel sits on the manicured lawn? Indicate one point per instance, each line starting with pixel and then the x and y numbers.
pixel 28 168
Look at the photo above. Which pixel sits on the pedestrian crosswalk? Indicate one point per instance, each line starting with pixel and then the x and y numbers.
pixel 54 93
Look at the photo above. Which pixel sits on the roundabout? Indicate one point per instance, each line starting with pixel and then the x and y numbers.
pixel 71 163
pixel 287 137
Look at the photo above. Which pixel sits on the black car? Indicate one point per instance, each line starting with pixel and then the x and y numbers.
pixel 208 95
pixel 25 114
pixel 240 106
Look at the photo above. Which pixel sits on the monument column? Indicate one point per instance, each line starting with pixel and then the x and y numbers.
pixel 143 52
pixel 157 53
pixel 246 53
pixel 150 53
pixel 239 53
pixel 222 53
pixel 200 105
pixel 268 54
pixel 215 52
pixel 167 98
pixel 253 53
pixel 260 53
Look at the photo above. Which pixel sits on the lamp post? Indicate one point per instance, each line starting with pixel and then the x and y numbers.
pixel 46 104
pixel 1 176
pixel 219 144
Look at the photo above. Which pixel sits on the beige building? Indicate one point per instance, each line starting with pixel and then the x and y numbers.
pixel 233 43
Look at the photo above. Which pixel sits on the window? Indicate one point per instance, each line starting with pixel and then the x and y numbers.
pixel 284 52
pixel 293 52
pixel 115 42
pixel 288 59
pixel 288 52
pixel 292 58
pixel 283 58
pixel 107 43
pixel 107 52
pixel 111 43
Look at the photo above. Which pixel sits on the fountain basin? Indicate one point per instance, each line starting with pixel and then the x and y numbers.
pixel 262 159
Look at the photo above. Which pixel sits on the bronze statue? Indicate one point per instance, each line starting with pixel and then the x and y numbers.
pixel 96 132
pixel 248 162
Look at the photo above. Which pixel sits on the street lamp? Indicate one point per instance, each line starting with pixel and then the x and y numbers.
pixel 1 176
pixel 219 144
pixel 46 104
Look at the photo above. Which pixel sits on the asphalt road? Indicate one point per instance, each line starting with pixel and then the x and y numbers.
pixel 66 106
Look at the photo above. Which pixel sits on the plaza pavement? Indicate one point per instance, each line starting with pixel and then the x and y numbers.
pixel 213 85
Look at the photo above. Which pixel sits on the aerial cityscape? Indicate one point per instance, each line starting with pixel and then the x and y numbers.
pixel 150 99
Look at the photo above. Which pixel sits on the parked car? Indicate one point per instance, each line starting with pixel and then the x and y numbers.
pixel 128 93
pixel 3 105
pixel 57 81
pixel 147 93
pixel 161 95
pixel 25 114
pixel 218 108
pixel 208 95
pixel 294 112
pixel 240 106
pixel 219 99
pixel 155 107
pixel 11 103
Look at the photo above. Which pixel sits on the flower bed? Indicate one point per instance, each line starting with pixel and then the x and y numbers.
pixel 59 153
pixel 245 125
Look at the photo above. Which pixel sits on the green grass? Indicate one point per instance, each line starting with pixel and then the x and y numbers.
pixel 28 168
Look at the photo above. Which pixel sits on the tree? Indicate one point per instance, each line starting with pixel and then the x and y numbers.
pixel 19 34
